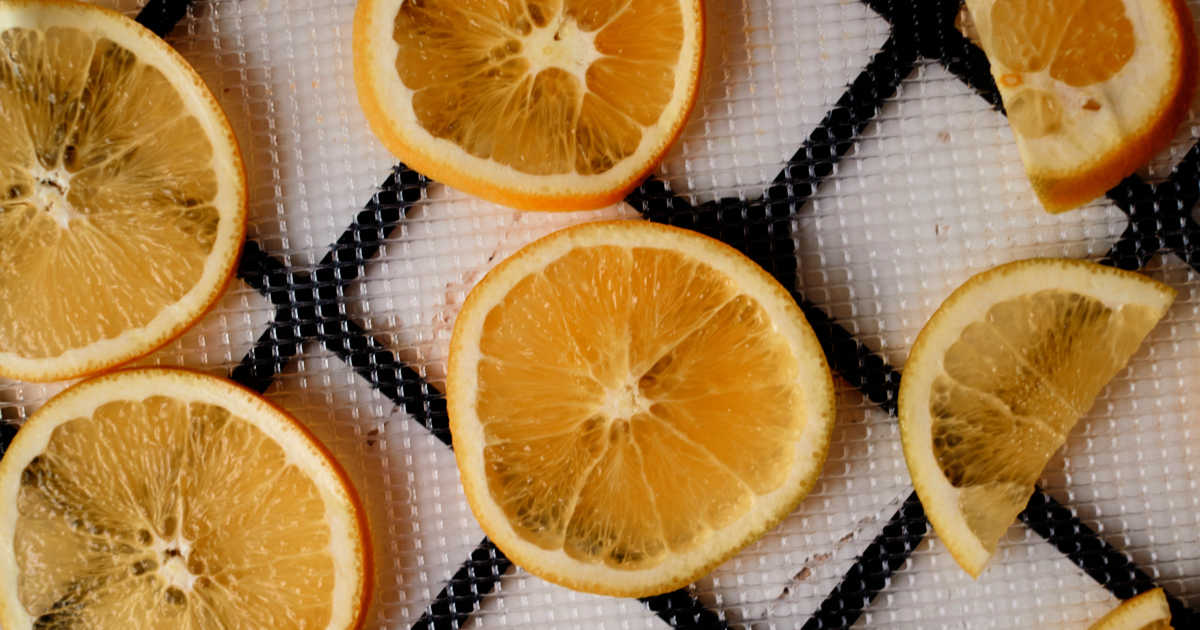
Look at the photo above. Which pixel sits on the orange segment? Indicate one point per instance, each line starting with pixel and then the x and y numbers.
pixel 1080 47
pixel 1093 88
pixel 631 404
pixel 717 498
pixel 628 538
pixel 541 105
pixel 1096 44
pixel 122 196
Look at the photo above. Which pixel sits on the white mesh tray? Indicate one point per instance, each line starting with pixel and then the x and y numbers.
pixel 880 199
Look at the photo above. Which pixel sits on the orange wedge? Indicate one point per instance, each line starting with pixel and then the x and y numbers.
pixel 1093 88
pixel 999 376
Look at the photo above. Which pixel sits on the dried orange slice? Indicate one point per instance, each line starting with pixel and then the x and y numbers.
pixel 631 404
pixel 1148 611
pixel 161 498
pixel 122 192
pixel 999 376
pixel 544 104
pixel 1093 88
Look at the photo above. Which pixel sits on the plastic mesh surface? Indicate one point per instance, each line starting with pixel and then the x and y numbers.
pixel 851 148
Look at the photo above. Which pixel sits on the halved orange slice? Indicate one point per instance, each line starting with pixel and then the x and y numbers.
pixel 1093 88
pixel 999 376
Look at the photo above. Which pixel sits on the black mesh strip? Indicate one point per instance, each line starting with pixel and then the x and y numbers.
pixel 393 378
pixel 1097 558
pixel 371 227
pixel 281 340
pixel 161 16
pixel 761 230
pixel 1184 241
pixel 967 62
pixel 340 334
pixel 837 132
pixel 270 354
pixel 872 570
pixel 8 431
pixel 929 26
pixel 680 609
pixel 311 307
pixel 1181 191
pixel 462 594
pixel 853 361
pixel 263 272
pixel 1133 250
pixel 312 311
pixel 1134 197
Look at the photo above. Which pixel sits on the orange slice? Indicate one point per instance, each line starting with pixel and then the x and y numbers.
pixel 1093 88
pixel 1148 611
pixel 631 404
pixel 999 376
pixel 170 499
pixel 122 192
pixel 544 105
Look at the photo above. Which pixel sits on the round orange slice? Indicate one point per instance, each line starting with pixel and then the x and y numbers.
pixel 122 192
pixel 544 105
pixel 631 404
pixel 160 498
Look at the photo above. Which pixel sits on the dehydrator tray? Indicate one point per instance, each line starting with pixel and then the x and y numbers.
pixel 857 151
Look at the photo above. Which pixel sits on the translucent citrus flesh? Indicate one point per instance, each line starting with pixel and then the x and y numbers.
pixel 106 186
pixel 1012 387
pixel 632 401
pixel 1080 42
pixel 546 86
pixel 159 513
